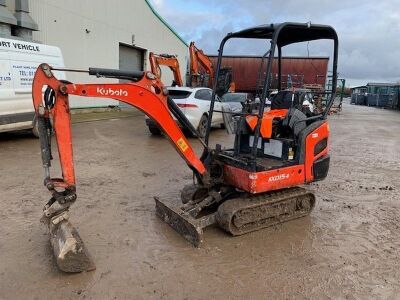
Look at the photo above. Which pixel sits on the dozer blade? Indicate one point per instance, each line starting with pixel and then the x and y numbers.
pixel 69 250
pixel 187 226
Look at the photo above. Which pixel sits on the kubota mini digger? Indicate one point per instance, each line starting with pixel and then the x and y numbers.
pixel 245 187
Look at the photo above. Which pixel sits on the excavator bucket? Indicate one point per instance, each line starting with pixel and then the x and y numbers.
pixel 69 250
pixel 186 225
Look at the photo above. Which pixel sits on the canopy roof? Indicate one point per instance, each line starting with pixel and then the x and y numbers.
pixel 288 33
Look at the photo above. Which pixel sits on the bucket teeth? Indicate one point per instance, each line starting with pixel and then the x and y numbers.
pixel 187 226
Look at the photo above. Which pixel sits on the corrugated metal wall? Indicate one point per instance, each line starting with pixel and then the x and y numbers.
pixel 246 69
pixel 89 33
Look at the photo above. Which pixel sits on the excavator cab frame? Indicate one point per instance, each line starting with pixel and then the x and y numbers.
pixel 280 35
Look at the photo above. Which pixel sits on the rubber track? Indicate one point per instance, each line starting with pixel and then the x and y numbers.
pixel 243 215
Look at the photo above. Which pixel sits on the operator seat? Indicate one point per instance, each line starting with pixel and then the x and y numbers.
pixel 295 120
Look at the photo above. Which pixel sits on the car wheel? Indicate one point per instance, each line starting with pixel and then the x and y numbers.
pixel 154 130
pixel 202 128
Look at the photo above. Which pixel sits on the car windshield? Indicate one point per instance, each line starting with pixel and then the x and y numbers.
pixel 234 97
pixel 179 94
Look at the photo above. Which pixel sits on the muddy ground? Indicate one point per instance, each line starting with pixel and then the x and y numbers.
pixel 347 249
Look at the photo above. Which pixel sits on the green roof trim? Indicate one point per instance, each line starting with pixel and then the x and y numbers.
pixel 165 22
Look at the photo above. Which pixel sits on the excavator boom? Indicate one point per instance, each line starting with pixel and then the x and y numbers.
pixel 197 57
pixel 139 94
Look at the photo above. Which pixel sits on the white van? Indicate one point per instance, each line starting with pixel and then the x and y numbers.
pixel 18 62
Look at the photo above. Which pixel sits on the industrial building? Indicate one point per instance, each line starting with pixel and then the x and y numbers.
pixel 109 34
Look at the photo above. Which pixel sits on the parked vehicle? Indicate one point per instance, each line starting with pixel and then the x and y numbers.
pixel 195 104
pixel 18 62
pixel 236 100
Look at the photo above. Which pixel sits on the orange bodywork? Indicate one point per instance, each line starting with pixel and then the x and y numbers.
pixel 266 123
pixel 264 181
pixel 312 139
pixel 170 61
pixel 146 95
pixel 258 182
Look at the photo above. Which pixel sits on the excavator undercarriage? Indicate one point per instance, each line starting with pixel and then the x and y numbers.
pixel 241 214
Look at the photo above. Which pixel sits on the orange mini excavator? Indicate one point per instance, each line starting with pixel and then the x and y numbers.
pixel 196 78
pixel 243 187
pixel 170 61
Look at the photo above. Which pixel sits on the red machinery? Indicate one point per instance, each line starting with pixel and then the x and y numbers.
pixel 245 187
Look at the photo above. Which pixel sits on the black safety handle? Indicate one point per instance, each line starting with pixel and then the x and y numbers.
pixel 114 73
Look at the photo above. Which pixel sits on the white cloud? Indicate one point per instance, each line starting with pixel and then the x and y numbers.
pixel 158 4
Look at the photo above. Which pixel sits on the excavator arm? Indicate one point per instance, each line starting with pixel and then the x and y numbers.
pixel 147 94
pixel 197 57
pixel 171 61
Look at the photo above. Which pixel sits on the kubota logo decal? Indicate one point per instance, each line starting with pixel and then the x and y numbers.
pixel 278 177
pixel 111 92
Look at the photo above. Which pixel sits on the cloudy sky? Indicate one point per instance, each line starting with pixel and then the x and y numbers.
pixel 369 30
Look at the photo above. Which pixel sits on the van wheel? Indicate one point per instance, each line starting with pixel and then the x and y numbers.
pixel 202 128
pixel 35 128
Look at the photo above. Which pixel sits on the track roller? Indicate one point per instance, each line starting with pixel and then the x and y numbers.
pixel 250 213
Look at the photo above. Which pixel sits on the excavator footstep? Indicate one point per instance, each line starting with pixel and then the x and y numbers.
pixel 187 226
pixel 69 250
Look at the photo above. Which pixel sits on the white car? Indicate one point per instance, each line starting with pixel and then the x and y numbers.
pixel 195 104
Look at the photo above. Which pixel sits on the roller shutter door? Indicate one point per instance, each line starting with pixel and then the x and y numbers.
pixel 130 59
